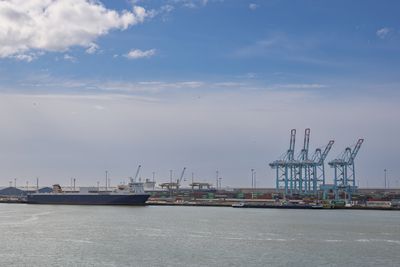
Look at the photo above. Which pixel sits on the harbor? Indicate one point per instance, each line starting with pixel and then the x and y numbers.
pixel 192 133
pixel 368 199
pixel 301 183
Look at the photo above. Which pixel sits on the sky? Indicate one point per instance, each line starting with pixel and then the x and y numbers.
pixel 88 86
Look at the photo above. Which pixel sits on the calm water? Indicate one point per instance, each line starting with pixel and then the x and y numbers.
pixel 33 235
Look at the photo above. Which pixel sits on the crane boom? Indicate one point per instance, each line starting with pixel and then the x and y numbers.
pixel 182 173
pixel 292 144
pixel 355 151
pixel 306 141
pixel 304 152
pixel 317 155
pixel 326 151
pixel 137 173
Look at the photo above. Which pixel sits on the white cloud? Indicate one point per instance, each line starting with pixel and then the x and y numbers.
pixel 229 84
pixel 99 107
pixel 161 11
pixel 284 47
pixel 93 48
pixel 135 2
pixel 383 33
pixel 69 58
pixel 137 53
pixel 25 57
pixel 190 3
pixel 251 75
pixel 253 6
pixel 156 88
pixel 145 87
pixel 166 8
pixel 301 86
pixel 28 26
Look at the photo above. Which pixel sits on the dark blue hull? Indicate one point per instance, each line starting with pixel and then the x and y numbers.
pixel 88 199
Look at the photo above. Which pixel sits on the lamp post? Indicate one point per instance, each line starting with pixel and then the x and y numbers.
pixel 216 180
pixel 106 180
pixel 252 178
pixel 154 179
pixel 385 173
pixel 170 183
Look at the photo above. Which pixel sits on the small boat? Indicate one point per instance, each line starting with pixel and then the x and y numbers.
pixel 317 206
pixel 238 205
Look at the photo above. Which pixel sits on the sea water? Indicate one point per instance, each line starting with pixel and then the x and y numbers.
pixel 62 235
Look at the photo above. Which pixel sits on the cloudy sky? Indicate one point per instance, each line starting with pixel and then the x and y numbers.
pixel 88 86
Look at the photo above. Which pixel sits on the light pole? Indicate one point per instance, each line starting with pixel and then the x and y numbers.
pixel 216 180
pixel 252 178
pixel 170 183
pixel 385 171
pixel 154 179
pixel 106 180
pixel 192 184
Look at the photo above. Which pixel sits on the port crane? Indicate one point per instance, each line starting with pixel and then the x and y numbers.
pixel 303 166
pixel 137 174
pixel 304 152
pixel 178 182
pixel 174 185
pixel 285 166
pixel 344 170
pixel 303 174
pixel 319 163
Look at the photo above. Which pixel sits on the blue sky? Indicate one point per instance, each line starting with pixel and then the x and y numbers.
pixel 92 85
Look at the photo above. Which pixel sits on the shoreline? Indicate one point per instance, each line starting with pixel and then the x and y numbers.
pixel 250 206
pixel 233 204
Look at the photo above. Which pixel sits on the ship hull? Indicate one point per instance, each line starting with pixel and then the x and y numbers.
pixel 88 199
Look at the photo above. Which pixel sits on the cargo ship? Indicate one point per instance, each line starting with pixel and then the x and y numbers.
pixel 131 194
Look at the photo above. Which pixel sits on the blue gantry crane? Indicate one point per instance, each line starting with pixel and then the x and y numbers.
pixel 302 175
pixel 318 160
pixel 304 166
pixel 305 175
pixel 344 171
pixel 285 167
